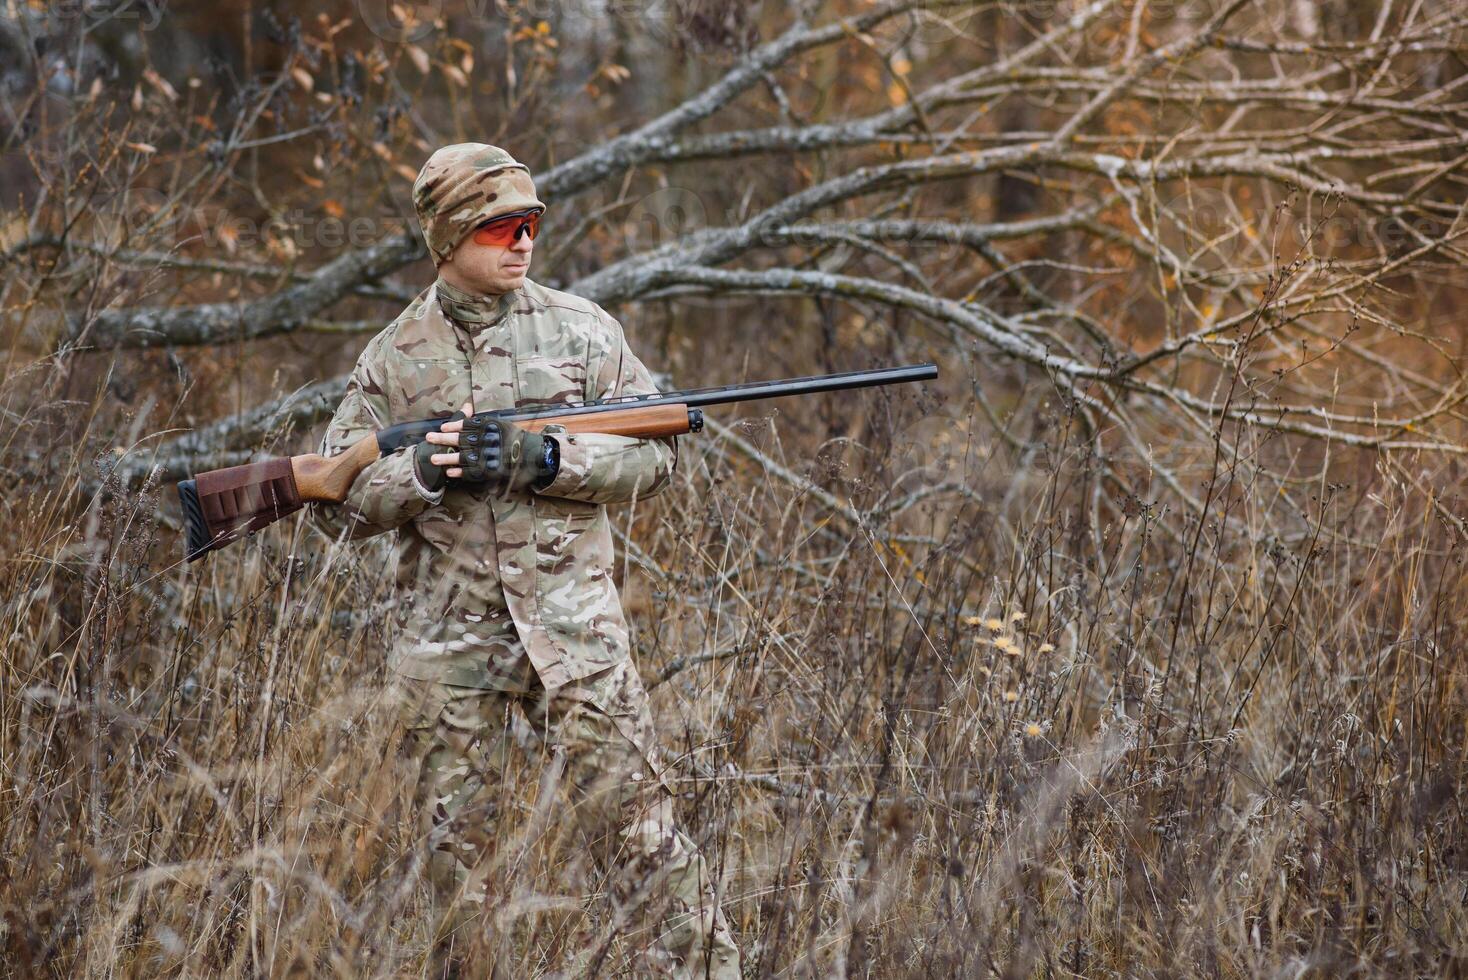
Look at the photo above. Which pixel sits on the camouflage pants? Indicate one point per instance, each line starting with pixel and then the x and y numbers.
pixel 599 729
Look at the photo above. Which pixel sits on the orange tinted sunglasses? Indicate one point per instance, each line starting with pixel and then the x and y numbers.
pixel 505 230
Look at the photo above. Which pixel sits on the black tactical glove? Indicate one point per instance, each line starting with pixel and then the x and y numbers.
pixel 433 477
pixel 493 450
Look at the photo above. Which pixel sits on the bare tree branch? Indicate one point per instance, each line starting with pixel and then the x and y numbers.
pixel 282 312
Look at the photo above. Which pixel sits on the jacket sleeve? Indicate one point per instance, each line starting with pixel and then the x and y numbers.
pixel 387 493
pixel 605 469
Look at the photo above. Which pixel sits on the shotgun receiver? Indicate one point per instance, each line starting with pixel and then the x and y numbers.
pixel 222 505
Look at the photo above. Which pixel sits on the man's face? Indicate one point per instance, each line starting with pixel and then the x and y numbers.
pixel 488 269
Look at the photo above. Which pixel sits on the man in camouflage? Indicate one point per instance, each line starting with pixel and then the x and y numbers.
pixel 504 572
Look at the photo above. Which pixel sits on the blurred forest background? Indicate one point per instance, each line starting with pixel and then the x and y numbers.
pixel 1132 646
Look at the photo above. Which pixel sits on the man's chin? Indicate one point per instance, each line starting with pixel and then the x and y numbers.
pixel 501 281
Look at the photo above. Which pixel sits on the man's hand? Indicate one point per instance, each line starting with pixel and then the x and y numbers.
pixel 491 451
pixel 432 467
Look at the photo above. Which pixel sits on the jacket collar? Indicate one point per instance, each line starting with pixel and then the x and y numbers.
pixel 473 311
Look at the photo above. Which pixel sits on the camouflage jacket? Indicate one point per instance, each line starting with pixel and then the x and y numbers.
pixel 480 580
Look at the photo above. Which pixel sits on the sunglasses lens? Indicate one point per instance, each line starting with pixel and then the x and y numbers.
pixel 504 231
pixel 497 232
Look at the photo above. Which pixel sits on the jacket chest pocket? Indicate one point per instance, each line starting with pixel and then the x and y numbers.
pixel 430 387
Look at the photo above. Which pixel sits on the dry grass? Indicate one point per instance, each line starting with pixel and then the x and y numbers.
pixel 1023 729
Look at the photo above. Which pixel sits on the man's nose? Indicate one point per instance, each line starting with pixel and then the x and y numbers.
pixel 522 243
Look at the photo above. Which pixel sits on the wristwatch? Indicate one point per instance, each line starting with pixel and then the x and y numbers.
pixel 550 463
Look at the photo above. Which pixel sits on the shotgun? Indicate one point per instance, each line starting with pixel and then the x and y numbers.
pixel 220 506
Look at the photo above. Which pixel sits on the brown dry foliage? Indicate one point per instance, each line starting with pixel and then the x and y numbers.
pixel 1087 660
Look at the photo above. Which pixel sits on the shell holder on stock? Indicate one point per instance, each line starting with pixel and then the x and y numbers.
pixel 222 505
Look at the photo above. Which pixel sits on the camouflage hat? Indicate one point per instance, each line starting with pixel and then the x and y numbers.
pixel 464 185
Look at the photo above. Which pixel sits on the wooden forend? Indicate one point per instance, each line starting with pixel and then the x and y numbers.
pixel 652 422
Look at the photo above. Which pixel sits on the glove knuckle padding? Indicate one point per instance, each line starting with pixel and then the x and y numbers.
pixel 494 449
pixel 471 461
pixel 480 443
